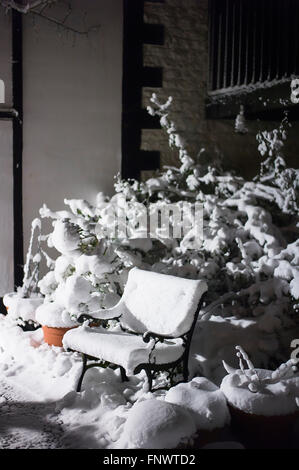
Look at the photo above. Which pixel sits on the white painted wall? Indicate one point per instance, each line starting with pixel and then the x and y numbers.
pixel 72 107
pixel 5 57
pixel 6 162
pixel 6 208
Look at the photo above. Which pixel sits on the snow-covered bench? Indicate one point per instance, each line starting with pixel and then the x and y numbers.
pixel 157 315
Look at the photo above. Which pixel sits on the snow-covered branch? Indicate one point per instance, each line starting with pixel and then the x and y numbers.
pixel 25 7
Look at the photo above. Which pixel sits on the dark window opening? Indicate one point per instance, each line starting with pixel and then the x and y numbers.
pixel 253 46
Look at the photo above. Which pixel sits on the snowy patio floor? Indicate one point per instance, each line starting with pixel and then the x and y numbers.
pixel 38 405
pixel 26 423
pixel 39 408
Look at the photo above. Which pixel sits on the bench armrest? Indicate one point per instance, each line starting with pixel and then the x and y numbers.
pixel 112 313
pixel 84 316
pixel 148 335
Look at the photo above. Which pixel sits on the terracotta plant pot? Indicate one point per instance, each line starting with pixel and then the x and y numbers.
pixel 53 336
pixel 204 437
pixel 266 432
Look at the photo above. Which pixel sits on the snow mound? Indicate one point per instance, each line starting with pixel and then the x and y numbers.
pixel 54 315
pixel 95 417
pixel 206 403
pixel 154 424
pixel 19 307
pixel 272 399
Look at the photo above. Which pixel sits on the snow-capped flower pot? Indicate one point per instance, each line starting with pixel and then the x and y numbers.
pixel 53 336
pixel 263 405
pixel 208 407
pixel 23 309
pixel 259 431
pixel 55 322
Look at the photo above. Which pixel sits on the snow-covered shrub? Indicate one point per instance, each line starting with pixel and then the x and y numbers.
pixel 240 122
pixel 23 303
pixel 260 391
pixel 81 278
pixel 249 253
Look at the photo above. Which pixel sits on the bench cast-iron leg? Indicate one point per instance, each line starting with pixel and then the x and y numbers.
pixel 185 368
pixel 123 374
pixel 149 378
pixel 84 369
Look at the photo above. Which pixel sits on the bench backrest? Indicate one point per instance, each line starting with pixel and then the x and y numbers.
pixel 160 303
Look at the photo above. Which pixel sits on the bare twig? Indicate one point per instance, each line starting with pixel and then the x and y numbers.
pixel 39 7
pixel 26 8
pixel 65 26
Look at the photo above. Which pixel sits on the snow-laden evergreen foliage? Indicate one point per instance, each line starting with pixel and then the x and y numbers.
pixel 249 254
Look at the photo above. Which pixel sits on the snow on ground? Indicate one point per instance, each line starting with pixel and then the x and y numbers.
pixel 26 422
pixel 46 378
pixel 39 406
pixel 45 371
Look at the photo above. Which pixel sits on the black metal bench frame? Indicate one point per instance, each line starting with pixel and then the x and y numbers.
pixel 150 368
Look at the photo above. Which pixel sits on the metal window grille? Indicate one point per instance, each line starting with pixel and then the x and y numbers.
pixel 252 42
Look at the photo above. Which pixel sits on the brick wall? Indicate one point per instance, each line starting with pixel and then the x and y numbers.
pixel 184 58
